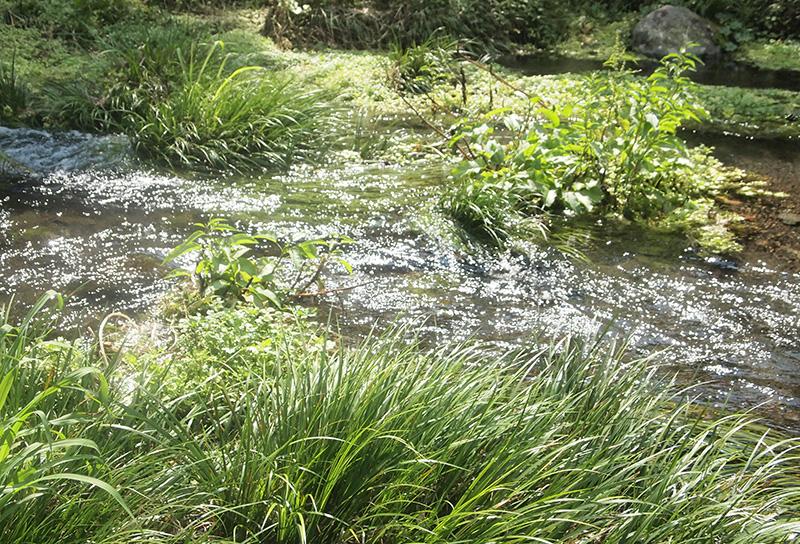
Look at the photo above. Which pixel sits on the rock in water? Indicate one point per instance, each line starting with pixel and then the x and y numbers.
pixel 668 29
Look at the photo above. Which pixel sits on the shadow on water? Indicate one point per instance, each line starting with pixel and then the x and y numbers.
pixel 100 232
pixel 727 73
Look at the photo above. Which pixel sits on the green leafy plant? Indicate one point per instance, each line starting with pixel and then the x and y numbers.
pixel 616 152
pixel 232 264
pixel 733 33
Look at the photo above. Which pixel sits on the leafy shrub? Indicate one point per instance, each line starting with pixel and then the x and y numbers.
pixel 230 267
pixel 615 152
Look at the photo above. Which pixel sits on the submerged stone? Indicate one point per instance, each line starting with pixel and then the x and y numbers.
pixel 669 28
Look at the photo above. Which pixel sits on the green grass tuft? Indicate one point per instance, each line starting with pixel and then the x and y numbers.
pixel 268 432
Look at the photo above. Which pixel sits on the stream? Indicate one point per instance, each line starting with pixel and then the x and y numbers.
pixel 95 224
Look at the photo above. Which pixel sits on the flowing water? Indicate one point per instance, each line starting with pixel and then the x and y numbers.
pixel 95 225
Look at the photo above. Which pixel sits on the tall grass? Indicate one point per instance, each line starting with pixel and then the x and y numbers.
pixel 14 93
pixel 246 119
pixel 285 441
pixel 43 408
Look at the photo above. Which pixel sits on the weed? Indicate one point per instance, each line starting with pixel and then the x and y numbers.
pixel 616 152
pixel 228 266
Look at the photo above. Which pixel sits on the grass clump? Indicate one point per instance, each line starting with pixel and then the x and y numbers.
pixel 188 105
pixel 243 120
pixel 277 435
pixel 14 93
pixel 50 396
pixel 617 152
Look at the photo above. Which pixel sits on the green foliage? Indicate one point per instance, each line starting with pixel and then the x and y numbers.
pixel 42 402
pixel 772 54
pixel 252 427
pixel 419 68
pixel 376 23
pixel 73 20
pixel 232 266
pixel 615 152
pixel 182 105
pixel 14 93
pixel 388 443
pixel 732 33
pixel 245 120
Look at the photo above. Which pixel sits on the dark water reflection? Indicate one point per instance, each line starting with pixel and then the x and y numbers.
pixel 99 234
pixel 727 73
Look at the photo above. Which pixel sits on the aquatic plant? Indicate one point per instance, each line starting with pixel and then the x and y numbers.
pixel 614 152
pixel 230 264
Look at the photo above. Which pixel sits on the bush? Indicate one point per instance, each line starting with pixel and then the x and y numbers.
pixel 378 23
pixel 615 152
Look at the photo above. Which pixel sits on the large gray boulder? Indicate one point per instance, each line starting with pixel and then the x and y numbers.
pixel 669 28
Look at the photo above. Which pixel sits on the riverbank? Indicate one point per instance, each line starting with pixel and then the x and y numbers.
pixel 252 424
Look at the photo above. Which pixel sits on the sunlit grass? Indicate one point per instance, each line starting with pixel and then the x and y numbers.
pixel 274 439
